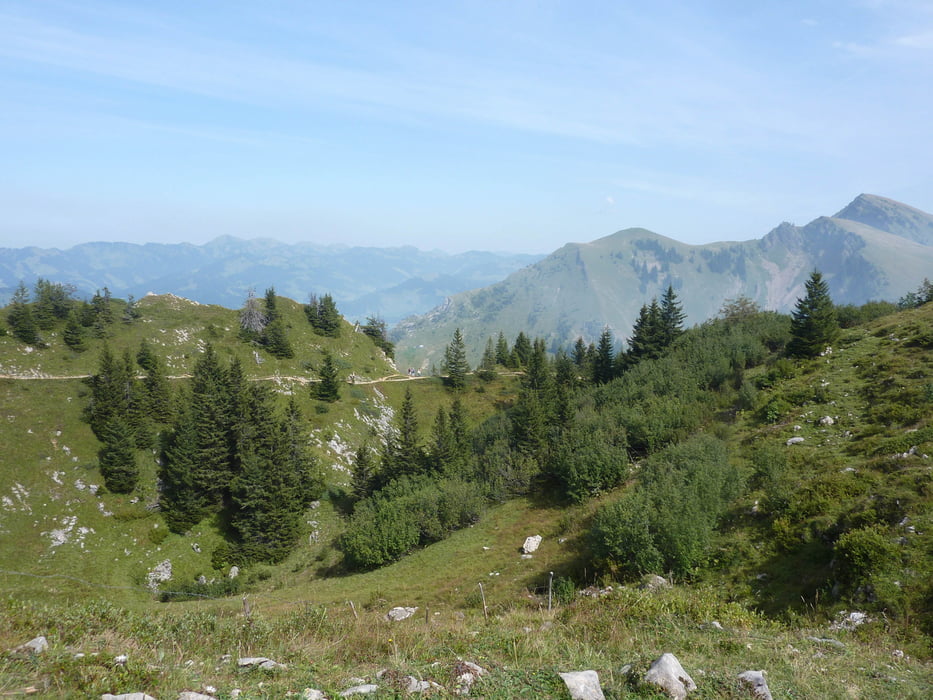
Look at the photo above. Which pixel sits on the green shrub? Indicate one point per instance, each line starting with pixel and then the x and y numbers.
pixel 864 554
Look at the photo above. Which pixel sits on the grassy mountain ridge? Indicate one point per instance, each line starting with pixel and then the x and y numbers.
pixel 582 287
pixel 770 585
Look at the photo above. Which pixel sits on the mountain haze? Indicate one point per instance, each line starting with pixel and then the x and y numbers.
pixel 390 282
pixel 875 248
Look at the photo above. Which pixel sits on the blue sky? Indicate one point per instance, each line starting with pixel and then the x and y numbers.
pixel 504 125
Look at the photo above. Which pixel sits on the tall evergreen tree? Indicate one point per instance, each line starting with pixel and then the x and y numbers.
pixel 117 457
pixel 20 317
pixel 672 317
pixel 375 328
pixel 275 340
pixel 213 416
pixel 521 351
pixel 455 364
pixel 111 392
pixel 328 389
pixel 647 339
pixel 813 324
pixel 73 335
pixel 363 480
pixel 181 500
pixel 502 350
pixel 266 490
pixel 53 301
pixel 487 365
pixel 156 390
pixel 272 312
pixel 403 454
pixel 604 365
pixel 323 315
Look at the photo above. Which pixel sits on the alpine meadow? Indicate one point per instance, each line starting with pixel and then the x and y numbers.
pixel 255 502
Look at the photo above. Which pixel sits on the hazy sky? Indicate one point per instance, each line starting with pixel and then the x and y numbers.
pixel 502 125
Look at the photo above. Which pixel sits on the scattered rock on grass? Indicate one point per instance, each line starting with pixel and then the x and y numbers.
pixel 794 441
pixel 37 645
pixel 465 675
pixel 259 662
pixel 400 613
pixel 756 681
pixel 849 620
pixel 531 544
pixel 583 685
pixel 365 689
pixel 653 582
pixel 667 673
pixel 194 695
pixel 126 696
pixel 313 694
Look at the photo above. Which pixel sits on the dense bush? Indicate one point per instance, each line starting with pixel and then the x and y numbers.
pixel 667 522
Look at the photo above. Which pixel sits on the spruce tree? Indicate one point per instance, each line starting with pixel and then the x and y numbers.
pixel 487 366
pixel 813 325
pixel 156 390
pixel 272 312
pixel 375 328
pixel 181 500
pixel 363 480
pixel 604 365
pixel 502 350
pixel 328 389
pixel 275 340
pixel 521 351
pixel 73 335
pixel 53 301
pixel 455 364
pixel 646 342
pixel 672 317
pixel 21 319
pixel 117 457
pixel 403 454
pixel 110 393
pixel 302 463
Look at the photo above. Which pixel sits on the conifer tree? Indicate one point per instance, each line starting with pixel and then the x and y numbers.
pixel 487 366
pixel 442 447
pixel 73 335
pixel 21 319
pixel 363 480
pixel 672 317
pixel 579 353
pixel 375 328
pixel 213 417
pixel 323 315
pixel 252 318
pixel 117 457
pixel 604 365
pixel 53 301
pixel 646 342
pixel 403 454
pixel 275 340
pixel 455 364
pixel 272 312
pixel 110 393
pixel 502 350
pixel 521 351
pixel 328 389
pixel 265 491
pixel 310 480
pixel 813 325
pixel 182 502
pixel 156 390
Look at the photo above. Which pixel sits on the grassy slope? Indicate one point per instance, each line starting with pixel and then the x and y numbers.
pixel 302 617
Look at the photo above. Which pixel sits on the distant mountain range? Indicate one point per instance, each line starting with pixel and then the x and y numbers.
pixel 874 248
pixel 389 282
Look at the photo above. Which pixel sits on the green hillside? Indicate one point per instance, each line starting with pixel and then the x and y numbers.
pixel 837 520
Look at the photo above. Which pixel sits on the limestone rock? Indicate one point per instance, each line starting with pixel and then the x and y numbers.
pixel 37 645
pixel 827 420
pixel 193 695
pixel 583 685
pixel 756 681
pixel 465 674
pixel 234 571
pixel 531 544
pixel 653 582
pixel 259 662
pixel 364 689
pixel 400 613
pixel 667 673
pixel 126 696
pixel 794 441
pixel 313 694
